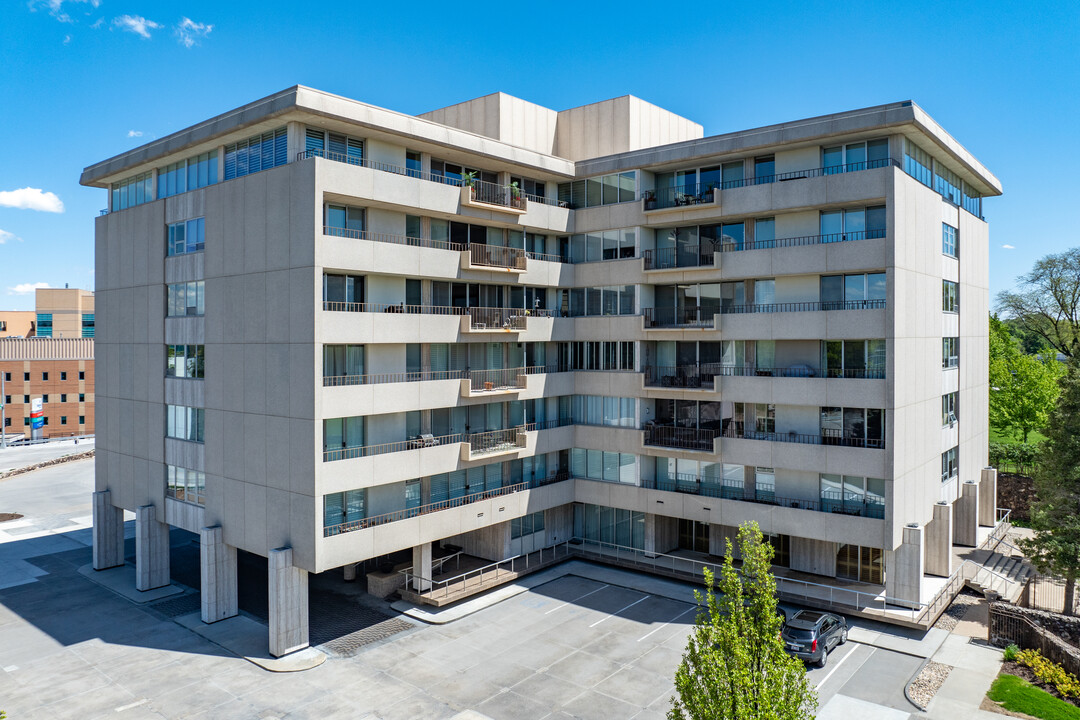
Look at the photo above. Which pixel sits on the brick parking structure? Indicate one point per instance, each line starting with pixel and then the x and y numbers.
pixel 58 370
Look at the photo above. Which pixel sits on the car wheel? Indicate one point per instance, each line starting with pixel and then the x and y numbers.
pixel 824 658
pixel 843 636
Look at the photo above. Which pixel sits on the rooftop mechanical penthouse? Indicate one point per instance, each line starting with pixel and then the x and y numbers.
pixel 329 332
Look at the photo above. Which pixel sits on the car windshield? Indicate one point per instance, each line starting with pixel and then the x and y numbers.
pixel 798 633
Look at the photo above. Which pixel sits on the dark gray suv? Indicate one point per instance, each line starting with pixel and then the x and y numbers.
pixel 809 635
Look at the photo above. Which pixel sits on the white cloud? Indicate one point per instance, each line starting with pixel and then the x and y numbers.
pixel 56 7
pixel 135 133
pixel 136 24
pixel 5 236
pixel 29 198
pixel 98 23
pixel 188 31
pixel 26 288
pixel 67 39
pixel 1007 247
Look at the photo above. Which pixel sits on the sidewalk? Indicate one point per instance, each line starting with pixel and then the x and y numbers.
pixel 974 668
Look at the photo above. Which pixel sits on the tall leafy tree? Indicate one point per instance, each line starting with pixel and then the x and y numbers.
pixel 1047 301
pixel 1023 387
pixel 1055 514
pixel 735 666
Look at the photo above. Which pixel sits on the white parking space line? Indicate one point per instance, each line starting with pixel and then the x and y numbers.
pixel 836 667
pixel 694 607
pixel 611 615
pixel 560 607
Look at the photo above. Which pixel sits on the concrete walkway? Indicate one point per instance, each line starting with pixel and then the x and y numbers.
pixel 23 456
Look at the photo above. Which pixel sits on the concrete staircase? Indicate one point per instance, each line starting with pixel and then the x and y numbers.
pixel 1004 572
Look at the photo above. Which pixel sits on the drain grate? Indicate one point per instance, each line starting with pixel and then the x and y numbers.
pixel 349 645
pixel 175 607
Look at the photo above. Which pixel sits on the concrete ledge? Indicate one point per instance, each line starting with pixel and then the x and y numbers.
pixel 121 580
pixel 247 638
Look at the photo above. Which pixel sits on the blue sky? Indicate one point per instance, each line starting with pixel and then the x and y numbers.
pixel 83 80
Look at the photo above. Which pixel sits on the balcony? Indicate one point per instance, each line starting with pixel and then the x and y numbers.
pixel 680 258
pixel 701 375
pixel 488 195
pixel 835 502
pixel 811 173
pixel 685 317
pixel 407 513
pixel 787 307
pixel 473 319
pixel 680 438
pixel 398 377
pixel 680 196
pixel 825 436
pixel 494 256
pixel 494 442
pixel 503 380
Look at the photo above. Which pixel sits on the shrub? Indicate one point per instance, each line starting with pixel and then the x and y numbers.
pixel 1011 653
pixel 1050 673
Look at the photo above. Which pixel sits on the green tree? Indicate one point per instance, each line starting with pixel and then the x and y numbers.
pixel 1055 514
pixel 1023 388
pixel 1047 301
pixel 735 666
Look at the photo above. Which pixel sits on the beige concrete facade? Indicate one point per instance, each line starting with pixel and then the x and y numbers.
pixel 17 323
pixel 271 406
pixel 67 308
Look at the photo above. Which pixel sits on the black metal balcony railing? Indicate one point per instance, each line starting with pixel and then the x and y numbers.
pixel 482 317
pixel 679 195
pixel 406 513
pixel 701 255
pixel 696 193
pixel 398 377
pixel 679 317
pixel 392 239
pixel 495 194
pixel 801 241
pixel 802 306
pixel 680 438
pixel 497 256
pixel 680 257
pixel 737 431
pixel 702 374
pixel 500 379
pixel 494 441
pixel 830 501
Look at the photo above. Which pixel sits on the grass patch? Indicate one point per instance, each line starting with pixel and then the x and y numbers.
pixel 1034 437
pixel 1018 695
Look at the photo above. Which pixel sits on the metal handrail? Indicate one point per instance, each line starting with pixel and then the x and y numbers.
pixel 498 567
pixel 495 194
pixel 494 441
pixel 684 438
pixel 674 257
pixel 348 453
pixel 497 256
pixel 699 375
pixel 680 317
pixel 503 313
pixel 679 195
pixel 392 239
pixel 498 379
pixel 826 436
pixel 830 501
pixel 802 306
pixel 381 378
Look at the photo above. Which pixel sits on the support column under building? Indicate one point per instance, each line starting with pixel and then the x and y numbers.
pixel 151 549
pixel 661 534
pixel 108 532
pixel 966 515
pixel 288 587
pixel 938 535
pixel 217 566
pixel 903 581
pixel 421 563
pixel 988 497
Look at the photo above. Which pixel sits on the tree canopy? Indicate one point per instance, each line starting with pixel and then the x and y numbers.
pixel 1055 514
pixel 735 665
pixel 1047 301
pixel 1023 388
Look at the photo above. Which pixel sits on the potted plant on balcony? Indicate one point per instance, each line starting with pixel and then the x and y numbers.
pixel 515 191
pixel 469 179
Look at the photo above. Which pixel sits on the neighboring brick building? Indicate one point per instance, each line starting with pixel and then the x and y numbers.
pixel 60 371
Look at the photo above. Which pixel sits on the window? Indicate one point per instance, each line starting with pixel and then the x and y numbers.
pixel 334 146
pixel 853 495
pixel 855 224
pixel 185 361
pixel 604 190
pixel 855 427
pixel 46 420
pixel 82 419
pixel 260 152
pixel 44 399
pixel 345 361
pixel 44 376
pixel 26 421
pixel 527 525
pixel 345 221
pixel 184 484
pixel 600 410
pixel 63 375
pixel 950 467
pixel 536 190
pixel 26 377
pixel 7 377
pixel 26 399
pixel 185 423
pixel 342 433
pixel 947 183
pixel 7 399
pixel 342 508
pixel 593 247
pixel 82 397
pixel 855 156
pixel 135 190
pixel 764 169
pixel 950 296
pixel 63 397
pixel 185 237
pixel 82 375
pixel 949 408
pixel 184 299
pixel 840 292
pixel 7 422
pixel 343 292
pixel 950 352
pixel 853 358
pixel 88 325
pixel 191 174
pixel 63 419
pixel 44 325
pixel 917 163
pixel 765 418
pixel 949 237
pixel 414 165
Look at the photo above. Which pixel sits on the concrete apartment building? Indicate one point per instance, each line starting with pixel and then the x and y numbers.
pixel 64 313
pixel 331 332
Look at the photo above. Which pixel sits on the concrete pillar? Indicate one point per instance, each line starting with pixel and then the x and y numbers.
pixel 661 534
pixel 903 581
pixel 295 142
pixel 966 515
pixel 988 497
pixel 937 536
pixel 749 482
pixel 217 569
pixel 108 532
pixel 349 572
pixel 151 549
pixel 421 563
pixel 288 586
